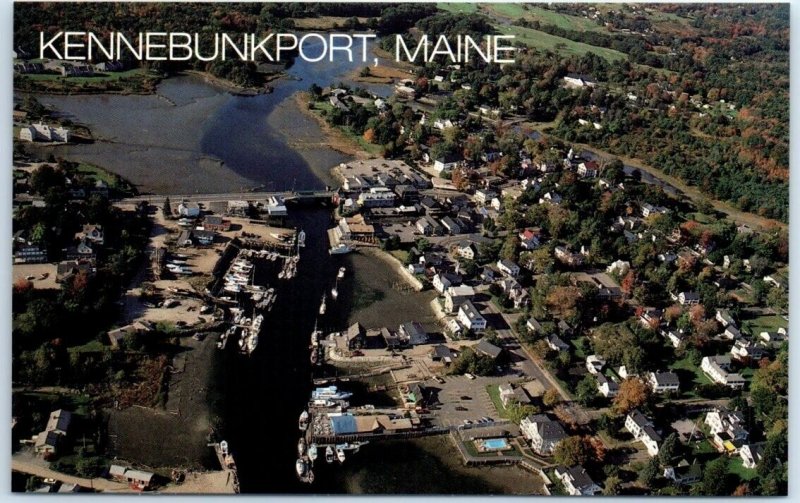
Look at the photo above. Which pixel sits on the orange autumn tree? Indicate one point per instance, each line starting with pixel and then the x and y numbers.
pixel 633 393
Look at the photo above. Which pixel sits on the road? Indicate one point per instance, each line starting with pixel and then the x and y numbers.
pixel 32 468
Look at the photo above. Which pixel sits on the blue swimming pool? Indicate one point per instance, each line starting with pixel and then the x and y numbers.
pixel 495 444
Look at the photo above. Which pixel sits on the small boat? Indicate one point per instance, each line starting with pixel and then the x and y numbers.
pixel 340 453
pixel 314 356
pixel 312 452
pixel 224 447
pixel 300 467
pixel 303 422
pixel 329 454
pixel 322 306
pixel 340 249
pixel 301 446
pixel 301 238
pixel 334 293
pixel 342 270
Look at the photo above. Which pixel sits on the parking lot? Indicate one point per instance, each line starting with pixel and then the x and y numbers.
pixel 462 399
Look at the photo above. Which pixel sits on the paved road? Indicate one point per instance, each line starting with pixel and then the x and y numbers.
pixel 99 484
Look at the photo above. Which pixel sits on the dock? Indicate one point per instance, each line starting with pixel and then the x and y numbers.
pixel 228 465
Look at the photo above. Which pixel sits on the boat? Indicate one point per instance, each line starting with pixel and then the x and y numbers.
pixel 303 422
pixel 340 249
pixel 340 453
pixel 329 454
pixel 252 343
pixel 224 447
pixel 301 238
pixel 322 306
pixel 300 467
pixel 312 452
pixel 330 393
pixel 314 356
pixel 301 446
pixel 342 270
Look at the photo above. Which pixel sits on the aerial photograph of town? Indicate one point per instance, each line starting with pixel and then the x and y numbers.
pixel 475 249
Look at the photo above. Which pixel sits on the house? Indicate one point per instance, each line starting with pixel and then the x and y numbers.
pixel 529 239
pixel 649 209
pixel 727 429
pixel 137 479
pixel 486 348
pixel 457 295
pixel 717 368
pixel 442 281
pixel 483 196
pixel 589 169
pixel 377 197
pixel 93 233
pixel 578 80
pixel 413 334
pixel 416 395
pixel 508 267
pixel 620 267
pixel 642 429
pixel 442 353
pixel 451 225
pixel 510 394
pixel 416 268
pixel 216 223
pixel 746 351
pixel 675 337
pixel 427 226
pixel 355 228
pixel 773 338
pixel 43 132
pixel 82 251
pixel 731 332
pixel 688 298
pixel 68 269
pixel 446 163
pixel 605 386
pixel 276 207
pixel 550 198
pixel 354 338
pixel 55 432
pixel 684 473
pixel 650 317
pixel 725 318
pixel 188 209
pixel 594 364
pixel 556 344
pixel 663 382
pixel 391 339
pixel 576 481
pixel 467 250
pixel 136 328
pixel 533 326
pixel 751 454
pixel 542 432
pixel 470 318
pixel 567 257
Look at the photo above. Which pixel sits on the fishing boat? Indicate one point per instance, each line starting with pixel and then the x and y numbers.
pixel 340 453
pixel 340 249
pixel 303 422
pixel 301 446
pixel 329 454
pixel 342 270
pixel 312 452
pixel 322 306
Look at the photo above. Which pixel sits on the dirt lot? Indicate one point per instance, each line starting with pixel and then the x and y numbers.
pixel 22 271
pixel 177 436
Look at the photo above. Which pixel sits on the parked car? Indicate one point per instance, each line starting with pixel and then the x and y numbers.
pixel 469 376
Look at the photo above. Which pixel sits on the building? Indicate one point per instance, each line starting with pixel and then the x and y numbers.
pixel 508 267
pixel 751 454
pixel 443 354
pixel 377 197
pixel 578 80
pixel 416 395
pixel 470 318
pixel 427 226
pixel 48 441
pixel 606 386
pixel 556 343
pixel 412 333
pixel 589 169
pixel 457 295
pixel 542 432
pixel 727 430
pixel 486 348
pixel 189 209
pixel 594 364
pixel 451 225
pixel 484 196
pixel 568 258
pixel 134 329
pixel 276 207
pixel 238 208
pixel 29 254
pixel 216 223
pixel 688 298
pixel 68 269
pixel 512 394
pixel 354 338
pixel 137 479
pixel 649 209
pixel 717 368
pixel 355 228
pixel 744 351
pixel 43 132
pixel 642 429
pixel 576 481
pixel 725 318
pixel 467 251
pixel 446 163
pixel 93 233
pixel 684 473
pixel 663 382
pixel 391 339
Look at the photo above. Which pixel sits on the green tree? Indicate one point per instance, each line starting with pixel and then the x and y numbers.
pixel 572 451
pixel 669 449
pixel 649 472
pixel 716 479
pixel 586 391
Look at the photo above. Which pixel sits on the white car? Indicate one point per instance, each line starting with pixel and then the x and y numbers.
pixel 469 376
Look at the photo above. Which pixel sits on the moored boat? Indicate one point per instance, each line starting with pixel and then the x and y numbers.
pixel 342 270
pixel 303 422
pixel 301 446
pixel 340 249
pixel 329 454
pixel 340 453
pixel 312 452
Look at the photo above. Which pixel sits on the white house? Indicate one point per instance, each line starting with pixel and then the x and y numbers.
pixel 576 481
pixel 542 432
pixel 589 169
pixel 620 267
pixel 43 132
pixel 446 163
pixel 456 295
pixel 594 364
pixel 508 267
pixel 663 382
pixel 751 454
pixel 606 386
pixel 642 429
pixel 727 429
pixel 467 251
pixel 188 210
pixel 717 368
pixel 470 318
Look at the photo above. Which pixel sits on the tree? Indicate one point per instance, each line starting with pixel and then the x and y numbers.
pixel 716 478
pixel 551 397
pixel 572 451
pixel 649 472
pixel 669 449
pixel 586 391
pixel 45 178
pixel 633 393
pixel 613 486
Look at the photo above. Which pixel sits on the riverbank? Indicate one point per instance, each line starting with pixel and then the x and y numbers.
pixel 381 74
pixel 231 87
pixel 334 138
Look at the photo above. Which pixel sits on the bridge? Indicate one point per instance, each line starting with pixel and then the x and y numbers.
pixel 288 196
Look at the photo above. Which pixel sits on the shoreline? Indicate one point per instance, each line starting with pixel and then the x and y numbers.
pixel 334 138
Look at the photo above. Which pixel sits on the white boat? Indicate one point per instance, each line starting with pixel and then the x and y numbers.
pixel 232 288
pixel 312 452
pixel 330 393
pixel 340 453
pixel 301 238
pixel 252 343
pixel 303 421
pixel 322 306
pixel 300 467
pixel 329 454
pixel 224 447
pixel 301 446
pixel 340 275
pixel 340 249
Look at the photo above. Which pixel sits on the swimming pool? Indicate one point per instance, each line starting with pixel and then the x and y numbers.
pixel 495 444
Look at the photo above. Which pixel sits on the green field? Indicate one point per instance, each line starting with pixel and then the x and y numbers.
pixel 765 324
pixel 545 41
pixel 544 16
pixel 700 378
pixel 464 8
pixel 494 394
pixel 736 466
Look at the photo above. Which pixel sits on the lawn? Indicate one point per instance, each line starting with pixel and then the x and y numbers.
pixel 765 324
pixel 494 394
pixel 544 16
pixel 579 353
pixel 94 346
pixel 736 466
pixel 684 366
pixel 401 255
pixel 463 8
pixel 545 41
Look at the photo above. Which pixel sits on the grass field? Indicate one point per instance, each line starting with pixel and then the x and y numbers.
pixel 494 394
pixel 765 324
pixel 736 466
pixel 463 8
pixel 544 16
pixel 686 365
pixel 545 41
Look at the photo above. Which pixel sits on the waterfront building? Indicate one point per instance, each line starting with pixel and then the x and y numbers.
pixel 43 132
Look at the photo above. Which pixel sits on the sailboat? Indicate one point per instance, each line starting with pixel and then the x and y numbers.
pixel 322 306
pixel 301 446
pixel 329 454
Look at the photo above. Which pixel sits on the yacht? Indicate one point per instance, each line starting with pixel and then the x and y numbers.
pixel 312 452
pixel 303 422
pixel 330 393
pixel 329 454
pixel 301 446
pixel 340 249
pixel 340 453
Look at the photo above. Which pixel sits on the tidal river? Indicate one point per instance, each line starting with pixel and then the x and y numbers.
pixel 193 137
